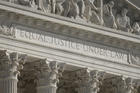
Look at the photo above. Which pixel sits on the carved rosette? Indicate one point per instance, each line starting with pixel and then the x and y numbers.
pixel 88 81
pixel 48 76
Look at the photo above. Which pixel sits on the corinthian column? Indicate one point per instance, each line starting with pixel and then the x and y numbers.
pixel 49 74
pixel 88 81
pixel 9 66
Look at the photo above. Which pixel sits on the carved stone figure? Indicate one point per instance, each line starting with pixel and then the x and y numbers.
pixel 91 12
pixel 59 8
pixel 136 28
pixel 44 5
pixel 123 21
pixel 53 5
pixel 66 6
pixel 108 17
pixel 81 5
pixel 74 9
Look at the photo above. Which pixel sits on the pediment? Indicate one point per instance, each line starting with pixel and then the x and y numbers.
pixel 93 11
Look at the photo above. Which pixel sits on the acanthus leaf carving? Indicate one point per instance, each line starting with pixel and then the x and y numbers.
pixel 9 64
pixel 49 72
pixel 89 81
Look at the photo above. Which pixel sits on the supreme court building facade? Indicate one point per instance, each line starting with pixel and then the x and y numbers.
pixel 69 46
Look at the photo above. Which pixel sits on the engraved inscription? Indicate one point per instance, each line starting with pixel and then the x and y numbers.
pixel 72 45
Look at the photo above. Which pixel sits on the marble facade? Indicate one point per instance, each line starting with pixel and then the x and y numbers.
pixel 69 46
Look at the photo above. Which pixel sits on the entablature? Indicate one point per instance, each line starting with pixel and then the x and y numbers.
pixel 70 27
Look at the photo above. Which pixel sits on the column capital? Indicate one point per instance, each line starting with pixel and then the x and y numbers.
pixel 10 64
pixel 50 71
pixel 89 81
pixel 124 84
pixel 49 74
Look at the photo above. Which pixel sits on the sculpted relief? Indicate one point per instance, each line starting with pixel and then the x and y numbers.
pixel 99 12
pixel 94 11
pixel 109 18
pixel 123 21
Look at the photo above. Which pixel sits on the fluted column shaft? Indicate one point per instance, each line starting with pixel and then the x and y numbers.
pixel 8 85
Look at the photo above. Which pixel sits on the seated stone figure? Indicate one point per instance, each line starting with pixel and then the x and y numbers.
pixel 91 12
pixel 136 28
pixel 108 17
pixel 123 21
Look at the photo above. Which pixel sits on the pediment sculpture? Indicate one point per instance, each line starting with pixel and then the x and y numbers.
pixel 109 13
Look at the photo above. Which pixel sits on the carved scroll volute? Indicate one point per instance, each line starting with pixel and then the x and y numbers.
pixel 10 64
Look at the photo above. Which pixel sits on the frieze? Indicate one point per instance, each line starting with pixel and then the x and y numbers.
pixel 108 13
pixel 70 44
